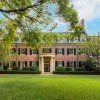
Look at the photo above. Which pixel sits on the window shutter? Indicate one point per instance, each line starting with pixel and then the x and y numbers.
pixel 14 50
pixel 25 51
pixel 43 50
pixel 19 51
pixel 18 63
pixel 56 51
pixel 67 63
pixel 30 51
pixel 30 63
pixel 67 51
pixel 62 51
pixel 62 63
pixel 80 64
pixel 50 50
pixel 56 64
pixel 74 63
pixel 74 51
pixel 37 63
pixel 37 52
pixel 25 63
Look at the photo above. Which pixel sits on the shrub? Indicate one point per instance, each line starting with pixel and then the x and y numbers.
pixel 15 68
pixel 34 68
pixel 26 68
pixel 97 69
pixel 68 69
pixel 5 67
pixel 20 72
pixel 77 72
pixel 79 69
pixel 1 68
pixel 60 68
pixel 88 65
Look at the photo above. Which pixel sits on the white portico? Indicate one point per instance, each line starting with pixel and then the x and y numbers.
pixel 47 63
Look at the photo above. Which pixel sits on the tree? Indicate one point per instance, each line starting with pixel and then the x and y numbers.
pixel 91 47
pixel 32 16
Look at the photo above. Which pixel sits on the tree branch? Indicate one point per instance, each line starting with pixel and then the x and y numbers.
pixel 23 9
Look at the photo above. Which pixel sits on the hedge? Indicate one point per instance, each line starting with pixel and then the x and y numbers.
pixel 77 72
pixel 20 72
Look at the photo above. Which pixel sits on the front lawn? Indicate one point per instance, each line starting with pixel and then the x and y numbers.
pixel 55 87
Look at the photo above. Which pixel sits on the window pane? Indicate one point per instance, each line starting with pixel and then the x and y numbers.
pixel 59 51
pixel 71 51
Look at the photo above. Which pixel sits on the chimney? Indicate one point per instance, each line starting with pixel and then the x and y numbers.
pixel 82 23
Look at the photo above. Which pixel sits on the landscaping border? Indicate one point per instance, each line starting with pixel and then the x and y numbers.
pixel 20 72
pixel 77 72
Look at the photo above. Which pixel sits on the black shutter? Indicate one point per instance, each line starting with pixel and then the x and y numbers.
pixel 30 51
pixel 14 50
pixel 62 51
pixel 18 51
pixel 50 50
pixel 25 51
pixel 43 50
pixel 37 52
pixel 25 63
pixel 67 63
pixel 74 63
pixel 67 51
pixel 18 63
pixel 56 64
pixel 80 64
pixel 62 63
pixel 56 51
pixel 30 63
pixel 74 51
pixel 37 63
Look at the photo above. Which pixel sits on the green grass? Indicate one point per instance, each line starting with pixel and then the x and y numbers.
pixel 56 87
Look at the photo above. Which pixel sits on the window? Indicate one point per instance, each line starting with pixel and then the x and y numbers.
pixel 59 63
pixel 24 63
pixel 71 64
pixel 46 50
pixel 13 64
pixel 71 51
pixel 33 52
pixel 22 51
pixel 33 63
pixel 12 51
pixel 60 51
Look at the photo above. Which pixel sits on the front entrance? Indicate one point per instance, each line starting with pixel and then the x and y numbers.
pixel 46 67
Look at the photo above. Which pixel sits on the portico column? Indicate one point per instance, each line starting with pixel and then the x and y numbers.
pixel 40 64
pixel 42 67
pixel 51 65
pixel 54 64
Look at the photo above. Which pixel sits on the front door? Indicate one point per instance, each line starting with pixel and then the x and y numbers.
pixel 46 67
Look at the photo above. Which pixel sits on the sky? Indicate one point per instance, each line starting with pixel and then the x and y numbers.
pixel 89 10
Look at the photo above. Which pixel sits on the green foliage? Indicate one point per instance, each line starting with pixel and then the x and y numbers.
pixel 5 67
pixel 88 65
pixel 68 69
pixel 34 68
pixel 60 68
pixel 79 69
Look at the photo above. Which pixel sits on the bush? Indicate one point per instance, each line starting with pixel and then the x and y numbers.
pixel 15 68
pixel 5 67
pixel 60 68
pixel 88 65
pixel 79 69
pixel 97 69
pixel 20 72
pixel 68 69
pixel 77 72
pixel 26 68
pixel 34 68
pixel 1 68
